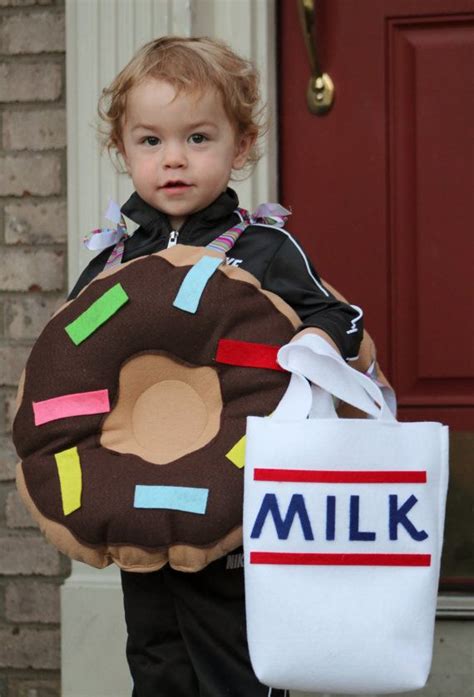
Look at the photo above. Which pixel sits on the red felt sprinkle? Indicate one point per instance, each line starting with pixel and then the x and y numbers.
pixel 247 354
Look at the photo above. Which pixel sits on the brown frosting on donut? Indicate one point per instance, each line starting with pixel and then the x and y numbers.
pixel 147 351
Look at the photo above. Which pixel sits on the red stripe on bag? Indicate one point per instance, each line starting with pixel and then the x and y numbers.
pixel 247 354
pixel 340 476
pixel 309 559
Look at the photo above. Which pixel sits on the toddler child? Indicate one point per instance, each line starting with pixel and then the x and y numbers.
pixel 183 115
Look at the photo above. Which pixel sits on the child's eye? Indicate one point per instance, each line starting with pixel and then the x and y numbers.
pixel 197 138
pixel 151 140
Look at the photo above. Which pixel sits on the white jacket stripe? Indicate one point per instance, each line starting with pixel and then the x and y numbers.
pixel 305 258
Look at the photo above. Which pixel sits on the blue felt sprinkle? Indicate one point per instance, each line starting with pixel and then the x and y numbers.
pixel 176 498
pixel 194 283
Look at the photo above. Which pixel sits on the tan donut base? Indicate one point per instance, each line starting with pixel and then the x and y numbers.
pixel 180 557
pixel 165 410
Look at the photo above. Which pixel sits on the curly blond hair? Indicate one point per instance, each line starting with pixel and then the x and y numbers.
pixel 189 65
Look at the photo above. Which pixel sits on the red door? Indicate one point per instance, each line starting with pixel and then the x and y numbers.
pixel 382 193
pixel 382 186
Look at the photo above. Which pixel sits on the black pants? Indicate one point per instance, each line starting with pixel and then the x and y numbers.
pixel 186 633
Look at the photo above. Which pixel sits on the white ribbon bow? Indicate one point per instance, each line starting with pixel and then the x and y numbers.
pixel 107 236
pixel 271 213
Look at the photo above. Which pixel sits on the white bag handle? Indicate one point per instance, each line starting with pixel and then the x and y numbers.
pixel 312 358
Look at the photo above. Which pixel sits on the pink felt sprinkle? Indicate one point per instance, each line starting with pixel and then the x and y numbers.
pixel 78 404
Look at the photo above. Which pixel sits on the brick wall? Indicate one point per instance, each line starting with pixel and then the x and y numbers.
pixel 32 281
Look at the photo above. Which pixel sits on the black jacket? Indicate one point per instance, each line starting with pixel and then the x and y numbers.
pixel 270 253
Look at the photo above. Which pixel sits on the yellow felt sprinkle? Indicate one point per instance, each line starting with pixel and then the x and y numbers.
pixel 70 479
pixel 237 453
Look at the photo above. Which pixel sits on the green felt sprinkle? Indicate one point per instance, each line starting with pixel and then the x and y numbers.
pixel 97 314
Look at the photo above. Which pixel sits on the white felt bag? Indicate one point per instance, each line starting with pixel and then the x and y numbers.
pixel 343 530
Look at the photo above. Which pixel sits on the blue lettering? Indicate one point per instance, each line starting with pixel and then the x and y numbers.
pixel 297 507
pixel 398 516
pixel 354 532
pixel 330 517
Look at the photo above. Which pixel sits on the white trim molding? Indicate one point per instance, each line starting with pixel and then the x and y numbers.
pixel 455 606
pixel 101 37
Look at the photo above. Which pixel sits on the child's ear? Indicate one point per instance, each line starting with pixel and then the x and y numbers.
pixel 244 144
pixel 125 161
pixel 123 156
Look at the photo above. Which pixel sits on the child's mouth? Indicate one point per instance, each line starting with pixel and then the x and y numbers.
pixel 176 186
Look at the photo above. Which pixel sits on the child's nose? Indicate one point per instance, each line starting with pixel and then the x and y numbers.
pixel 174 155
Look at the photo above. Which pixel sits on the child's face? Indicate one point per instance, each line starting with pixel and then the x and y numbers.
pixel 179 151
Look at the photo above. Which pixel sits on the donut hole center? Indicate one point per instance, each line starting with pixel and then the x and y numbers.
pixel 165 409
pixel 167 412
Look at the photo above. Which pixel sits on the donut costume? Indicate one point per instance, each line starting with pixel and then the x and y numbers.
pixel 132 408
pixel 108 470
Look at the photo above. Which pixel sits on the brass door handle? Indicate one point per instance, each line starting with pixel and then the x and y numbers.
pixel 320 94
